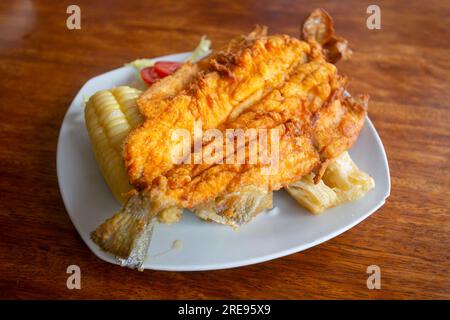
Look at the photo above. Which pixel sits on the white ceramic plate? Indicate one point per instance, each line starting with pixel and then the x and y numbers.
pixel 206 246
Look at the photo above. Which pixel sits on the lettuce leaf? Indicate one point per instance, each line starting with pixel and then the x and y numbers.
pixel 202 50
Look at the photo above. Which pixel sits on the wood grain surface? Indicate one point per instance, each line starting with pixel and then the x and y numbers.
pixel 405 67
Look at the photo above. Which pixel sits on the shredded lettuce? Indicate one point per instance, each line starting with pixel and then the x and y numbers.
pixel 140 64
pixel 84 99
pixel 202 50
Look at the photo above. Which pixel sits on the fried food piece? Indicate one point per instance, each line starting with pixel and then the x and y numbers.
pixel 127 233
pixel 318 27
pixel 211 92
pixel 236 208
pixel 308 142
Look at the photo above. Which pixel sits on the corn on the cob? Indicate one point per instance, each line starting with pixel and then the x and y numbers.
pixel 110 116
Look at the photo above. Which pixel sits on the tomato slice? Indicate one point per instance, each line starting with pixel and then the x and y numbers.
pixel 165 68
pixel 149 75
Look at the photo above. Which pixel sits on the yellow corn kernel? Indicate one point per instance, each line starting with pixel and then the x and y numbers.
pixel 110 116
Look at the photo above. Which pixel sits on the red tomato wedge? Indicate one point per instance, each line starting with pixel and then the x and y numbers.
pixel 149 75
pixel 165 68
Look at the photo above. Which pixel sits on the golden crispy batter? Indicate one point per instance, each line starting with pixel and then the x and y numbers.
pixel 223 85
pixel 309 139
pixel 291 108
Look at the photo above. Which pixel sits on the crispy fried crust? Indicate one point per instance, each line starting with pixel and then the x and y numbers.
pixel 250 66
pixel 316 120
pixel 318 27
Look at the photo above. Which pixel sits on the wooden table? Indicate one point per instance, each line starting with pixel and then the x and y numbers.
pixel 405 67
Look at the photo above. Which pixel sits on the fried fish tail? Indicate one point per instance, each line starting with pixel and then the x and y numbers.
pixel 127 234
pixel 318 28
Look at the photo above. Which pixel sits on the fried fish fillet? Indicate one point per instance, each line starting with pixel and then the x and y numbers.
pixel 309 140
pixel 209 92
pixel 258 81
